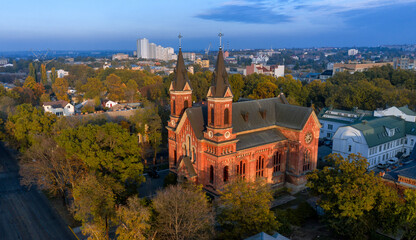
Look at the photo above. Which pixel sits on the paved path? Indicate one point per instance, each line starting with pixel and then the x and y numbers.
pixel 25 214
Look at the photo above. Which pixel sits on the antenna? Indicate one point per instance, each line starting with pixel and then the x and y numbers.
pixel 180 40
pixel 220 35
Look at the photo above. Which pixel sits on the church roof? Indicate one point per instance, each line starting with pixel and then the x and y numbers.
pixel 259 138
pixel 219 84
pixel 255 114
pixel 180 75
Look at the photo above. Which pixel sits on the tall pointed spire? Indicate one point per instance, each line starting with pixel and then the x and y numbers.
pixel 181 80
pixel 219 84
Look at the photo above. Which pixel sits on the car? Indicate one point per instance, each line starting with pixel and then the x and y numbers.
pixel 393 161
pixel 382 165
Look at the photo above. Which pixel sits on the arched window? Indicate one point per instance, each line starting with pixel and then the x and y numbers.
pixel 276 162
pixel 307 161
pixel 212 116
pixel 241 169
pixel 226 116
pixel 193 155
pixel 211 174
pixel 174 107
pixel 188 153
pixel 225 174
pixel 185 104
pixel 260 167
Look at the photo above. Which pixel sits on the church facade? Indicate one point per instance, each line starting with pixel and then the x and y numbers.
pixel 216 142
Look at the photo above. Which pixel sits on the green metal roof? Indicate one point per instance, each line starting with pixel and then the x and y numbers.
pixel 407 111
pixel 375 131
pixel 410 128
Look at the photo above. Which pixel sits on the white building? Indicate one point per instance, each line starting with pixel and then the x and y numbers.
pixel 59 73
pixel 59 108
pixel 120 56
pixel 378 140
pixel 332 119
pixel 110 104
pixel 189 56
pixel 352 52
pixel 402 112
pixel 143 48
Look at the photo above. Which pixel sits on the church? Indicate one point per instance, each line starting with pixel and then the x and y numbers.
pixel 221 140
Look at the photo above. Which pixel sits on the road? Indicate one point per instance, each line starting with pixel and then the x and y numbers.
pixel 25 214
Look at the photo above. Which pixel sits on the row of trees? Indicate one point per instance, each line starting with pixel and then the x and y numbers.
pixel 357 203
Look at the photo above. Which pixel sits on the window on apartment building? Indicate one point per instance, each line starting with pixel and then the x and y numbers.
pixel 225 174
pixel 397 142
pixel 330 127
pixel 401 141
pixel 226 116
pixel 174 107
pixel 276 162
pixel 307 161
pixel 241 169
pixel 175 160
pixel 405 141
pixel 380 149
pixel 328 135
pixel 349 148
pixel 193 155
pixel 260 167
pixel 211 174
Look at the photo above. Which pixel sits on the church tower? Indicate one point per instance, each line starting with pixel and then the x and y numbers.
pixel 180 99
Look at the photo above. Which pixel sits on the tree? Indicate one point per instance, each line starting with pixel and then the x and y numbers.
pixel 54 75
pixel 264 89
pixel 244 210
pixel 131 90
pixel 27 122
pixel 355 202
pixel 108 150
pixel 43 75
pixel 409 213
pixel 183 212
pixel 44 98
pixel 93 88
pixel 60 88
pixel 45 164
pixel 115 87
pixel 94 205
pixel 237 85
pixel 134 220
pixel 30 82
pixel 32 71
pixel 148 123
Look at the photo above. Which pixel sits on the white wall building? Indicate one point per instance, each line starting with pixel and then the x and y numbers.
pixel 59 108
pixel 402 112
pixel 378 140
pixel 352 52
pixel 59 73
pixel 148 50
pixel 120 56
pixel 143 48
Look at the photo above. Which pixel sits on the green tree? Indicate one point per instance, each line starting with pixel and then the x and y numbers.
pixel 264 89
pixel 237 85
pixel 108 149
pixel 32 71
pixel 93 88
pixel 409 213
pixel 134 220
pixel 115 87
pixel 244 210
pixel 27 122
pixel 183 213
pixel 60 88
pixel 94 205
pixel 54 75
pixel 43 75
pixel 131 90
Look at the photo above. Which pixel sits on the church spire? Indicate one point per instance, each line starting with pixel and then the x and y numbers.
pixel 181 80
pixel 220 84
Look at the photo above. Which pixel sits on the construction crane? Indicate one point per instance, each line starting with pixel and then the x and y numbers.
pixel 207 50
pixel 39 54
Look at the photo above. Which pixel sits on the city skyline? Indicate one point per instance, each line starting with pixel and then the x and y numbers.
pixel 83 25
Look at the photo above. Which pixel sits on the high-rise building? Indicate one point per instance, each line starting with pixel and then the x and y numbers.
pixel 143 48
pixel 352 52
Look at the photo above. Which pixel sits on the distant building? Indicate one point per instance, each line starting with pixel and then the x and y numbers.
pixel 4 61
pixel 59 73
pixel 403 177
pixel 143 48
pixel 59 108
pixel 404 63
pixel 378 140
pixel 274 70
pixel 325 75
pixel 189 56
pixel 109 103
pixel 352 52
pixel 203 63
pixel 402 112
pixel 120 56
pixel 332 119
pixel 357 67
pixel 191 69
pixel 148 50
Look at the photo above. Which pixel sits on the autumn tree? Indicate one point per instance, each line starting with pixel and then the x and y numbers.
pixel 237 85
pixel 44 79
pixel 244 210
pixel 94 205
pixel 115 87
pixel 30 82
pixel 134 220
pixel 27 122
pixel 32 71
pixel 45 164
pixel 108 150
pixel 54 75
pixel 93 88
pixel 131 90
pixel 264 89
pixel 409 214
pixel 183 212
pixel 148 123
pixel 355 201
pixel 60 88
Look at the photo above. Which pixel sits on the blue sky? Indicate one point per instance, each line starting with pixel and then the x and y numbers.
pixel 111 24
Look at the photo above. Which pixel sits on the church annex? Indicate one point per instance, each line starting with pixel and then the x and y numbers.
pixel 213 143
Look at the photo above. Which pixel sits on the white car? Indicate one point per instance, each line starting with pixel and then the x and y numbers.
pixel 393 161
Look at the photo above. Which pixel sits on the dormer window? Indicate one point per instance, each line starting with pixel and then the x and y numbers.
pixel 263 113
pixel 245 116
pixel 390 132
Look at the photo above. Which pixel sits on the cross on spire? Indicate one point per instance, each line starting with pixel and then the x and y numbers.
pixel 180 40
pixel 220 35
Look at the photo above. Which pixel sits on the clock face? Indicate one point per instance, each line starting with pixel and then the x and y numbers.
pixel 227 135
pixel 210 134
pixel 308 137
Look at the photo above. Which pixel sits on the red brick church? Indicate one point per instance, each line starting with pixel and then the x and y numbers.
pixel 213 143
